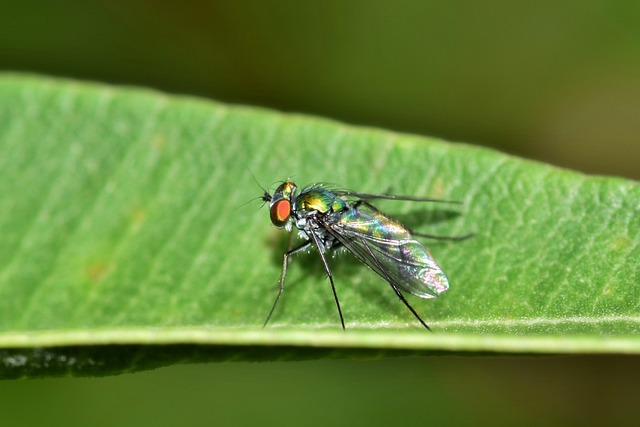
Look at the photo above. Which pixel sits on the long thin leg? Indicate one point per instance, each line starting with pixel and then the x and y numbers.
pixel 397 291
pixel 285 262
pixel 395 288
pixel 328 270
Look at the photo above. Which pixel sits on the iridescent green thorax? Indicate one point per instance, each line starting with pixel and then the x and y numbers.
pixel 320 200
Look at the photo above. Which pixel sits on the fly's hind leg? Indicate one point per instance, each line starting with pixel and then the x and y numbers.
pixel 404 300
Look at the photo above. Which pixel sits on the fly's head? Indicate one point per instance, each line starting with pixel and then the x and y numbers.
pixel 280 204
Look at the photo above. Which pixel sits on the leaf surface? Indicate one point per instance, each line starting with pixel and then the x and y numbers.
pixel 125 225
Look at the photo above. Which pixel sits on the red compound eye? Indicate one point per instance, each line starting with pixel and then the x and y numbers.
pixel 280 212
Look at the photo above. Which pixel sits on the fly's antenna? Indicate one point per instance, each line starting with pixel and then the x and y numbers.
pixel 266 197
pixel 251 200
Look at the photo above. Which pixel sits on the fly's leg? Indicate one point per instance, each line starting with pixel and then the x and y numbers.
pixel 415 313
pixel 285 262
pixel 328 270
pixel 395 288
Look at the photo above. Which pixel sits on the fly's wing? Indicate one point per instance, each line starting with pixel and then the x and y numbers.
pixel 389 249
pixel 366 196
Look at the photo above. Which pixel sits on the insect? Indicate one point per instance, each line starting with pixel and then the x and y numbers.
pixel 329 219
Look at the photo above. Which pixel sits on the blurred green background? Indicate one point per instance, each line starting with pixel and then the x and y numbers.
pixel 548 80
pixel 556 81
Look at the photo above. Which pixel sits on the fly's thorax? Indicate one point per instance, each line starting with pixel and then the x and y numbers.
pixel 313 201
pixel 301 222
pixel 324 240
pixel 319 200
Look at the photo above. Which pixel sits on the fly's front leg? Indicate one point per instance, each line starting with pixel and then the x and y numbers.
pixel 285 263
pixel 328 270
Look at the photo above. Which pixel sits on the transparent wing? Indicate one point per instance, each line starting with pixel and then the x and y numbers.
pixel 367 196
pixel 389 249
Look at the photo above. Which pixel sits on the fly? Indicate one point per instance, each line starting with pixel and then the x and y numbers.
pixel 329 219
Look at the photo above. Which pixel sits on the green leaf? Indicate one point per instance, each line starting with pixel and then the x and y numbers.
pixel 127 241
